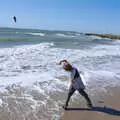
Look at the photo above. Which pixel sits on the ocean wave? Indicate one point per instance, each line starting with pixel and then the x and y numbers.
pixel 36 34
pixel 78 34
pixel 95 37
pixel 64 35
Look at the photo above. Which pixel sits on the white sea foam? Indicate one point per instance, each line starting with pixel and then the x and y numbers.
pixel 95 37
pixel 29 63
pixel 1 102
pixel 78 34
pixel 37 34
pixel 61 35
pixel 64 35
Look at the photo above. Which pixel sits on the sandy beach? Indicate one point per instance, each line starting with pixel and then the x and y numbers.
pixel 106 107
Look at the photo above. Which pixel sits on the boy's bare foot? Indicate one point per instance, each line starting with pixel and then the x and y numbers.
pixel 64 107
pixel 90 105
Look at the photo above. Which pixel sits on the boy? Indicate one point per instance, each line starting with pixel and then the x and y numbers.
pixel 76 83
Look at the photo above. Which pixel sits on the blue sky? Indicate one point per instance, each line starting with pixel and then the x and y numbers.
pixel 98 16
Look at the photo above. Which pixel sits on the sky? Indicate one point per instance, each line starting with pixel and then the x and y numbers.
pixel 93 16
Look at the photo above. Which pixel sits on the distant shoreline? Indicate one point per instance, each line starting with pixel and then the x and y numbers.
pixel 110 36
pixel 104 35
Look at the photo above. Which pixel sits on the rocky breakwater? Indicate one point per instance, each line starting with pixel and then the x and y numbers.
pixel 111 36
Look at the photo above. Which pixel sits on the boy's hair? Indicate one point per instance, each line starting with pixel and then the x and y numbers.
pixel 67 66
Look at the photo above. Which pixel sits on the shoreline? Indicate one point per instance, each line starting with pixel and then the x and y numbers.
pixel 110 36
pixel 106 106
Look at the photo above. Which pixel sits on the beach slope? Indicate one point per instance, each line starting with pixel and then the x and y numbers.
pixel 109 109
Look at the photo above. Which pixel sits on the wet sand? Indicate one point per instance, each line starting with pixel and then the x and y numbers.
pixel 106 107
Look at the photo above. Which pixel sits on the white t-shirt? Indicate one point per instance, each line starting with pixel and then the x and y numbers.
pixel 78 83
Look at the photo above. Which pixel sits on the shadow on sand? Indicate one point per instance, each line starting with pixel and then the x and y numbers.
pixel 106 110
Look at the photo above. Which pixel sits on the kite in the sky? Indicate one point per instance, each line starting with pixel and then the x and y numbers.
pixel 15 19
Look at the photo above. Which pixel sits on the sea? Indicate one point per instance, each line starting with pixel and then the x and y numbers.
pixel 33 86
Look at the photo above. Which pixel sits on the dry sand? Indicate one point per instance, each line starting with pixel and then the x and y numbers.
pixel 106 107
